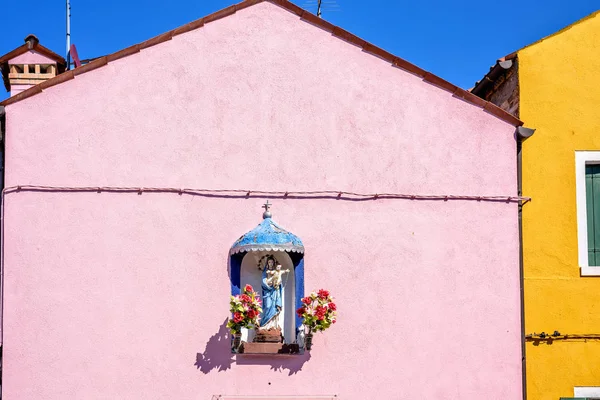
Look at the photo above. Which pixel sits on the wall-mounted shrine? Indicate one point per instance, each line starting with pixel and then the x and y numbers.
pixel 267 274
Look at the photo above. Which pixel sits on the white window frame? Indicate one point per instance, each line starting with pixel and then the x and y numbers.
pixel 583 158
pixel 586 391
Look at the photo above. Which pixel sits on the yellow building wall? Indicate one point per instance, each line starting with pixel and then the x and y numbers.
pixel 559 81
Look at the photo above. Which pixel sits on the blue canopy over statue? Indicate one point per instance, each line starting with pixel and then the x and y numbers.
pixel 268 236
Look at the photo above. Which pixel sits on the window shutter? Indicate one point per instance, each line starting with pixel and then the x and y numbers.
pixel 592 189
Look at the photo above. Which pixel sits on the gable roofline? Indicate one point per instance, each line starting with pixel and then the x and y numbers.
pixel 558 32
pixel 503 63
pixel 496 70
pixel 304 15
pixel 38 48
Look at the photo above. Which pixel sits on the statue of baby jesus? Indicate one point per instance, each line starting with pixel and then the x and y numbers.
pixel 274 276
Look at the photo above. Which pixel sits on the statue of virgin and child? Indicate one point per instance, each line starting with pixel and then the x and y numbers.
pixel 272 290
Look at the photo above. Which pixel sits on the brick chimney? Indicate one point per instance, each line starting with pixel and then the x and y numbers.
pixel 28 65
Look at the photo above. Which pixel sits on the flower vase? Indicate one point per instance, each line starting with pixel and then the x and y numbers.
pixel 237 341
pixel 308 341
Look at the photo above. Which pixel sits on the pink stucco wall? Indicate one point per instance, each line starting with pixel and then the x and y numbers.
pixel 16 88
pixel 31 57
pixel 124 295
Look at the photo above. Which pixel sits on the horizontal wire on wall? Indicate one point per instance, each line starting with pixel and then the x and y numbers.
pixel 559 336
pixel 244 193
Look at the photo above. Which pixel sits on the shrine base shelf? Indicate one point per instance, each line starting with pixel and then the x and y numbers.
pixel 269 348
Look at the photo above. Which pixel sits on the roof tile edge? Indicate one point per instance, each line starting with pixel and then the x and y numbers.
pixel 32 91
pixel 199 23
pixel 65 76
pixel 409 67
pixel 305 16
pixel 164 37
pixel 124 53
pixel 225 12
pixel 97 63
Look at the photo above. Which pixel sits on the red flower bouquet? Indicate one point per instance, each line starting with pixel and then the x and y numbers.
pixel 245 310
pixel 318 311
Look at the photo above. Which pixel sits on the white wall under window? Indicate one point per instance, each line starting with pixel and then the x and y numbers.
pixel 587 391
pixel 583 158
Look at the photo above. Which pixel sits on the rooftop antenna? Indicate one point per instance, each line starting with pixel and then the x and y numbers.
pixel 68 33
pixel 321 5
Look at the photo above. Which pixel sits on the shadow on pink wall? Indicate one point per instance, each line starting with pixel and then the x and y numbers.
pixel 217 355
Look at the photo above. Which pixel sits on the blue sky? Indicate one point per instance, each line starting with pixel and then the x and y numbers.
pixel 457 40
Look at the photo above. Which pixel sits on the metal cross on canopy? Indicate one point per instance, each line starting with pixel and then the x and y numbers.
pixel 267 207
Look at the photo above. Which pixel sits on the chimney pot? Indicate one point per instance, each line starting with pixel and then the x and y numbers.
pixel 31 41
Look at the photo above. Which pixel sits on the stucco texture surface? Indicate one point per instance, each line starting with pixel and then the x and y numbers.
pixel 557 79
pixel 125 295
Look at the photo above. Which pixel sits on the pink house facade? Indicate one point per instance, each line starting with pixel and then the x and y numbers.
pixel 124 294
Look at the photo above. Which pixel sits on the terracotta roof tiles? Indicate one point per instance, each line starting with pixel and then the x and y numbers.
pixel 124 53
pixel 97 63
pixel 38 48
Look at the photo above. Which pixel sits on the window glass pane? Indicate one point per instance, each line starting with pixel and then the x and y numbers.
pixel 596 206
pixel 589 191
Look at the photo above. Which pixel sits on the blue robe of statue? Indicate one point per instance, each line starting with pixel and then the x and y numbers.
pixel 271 300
